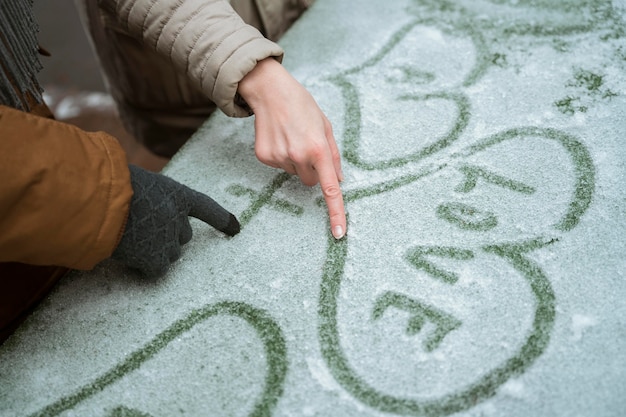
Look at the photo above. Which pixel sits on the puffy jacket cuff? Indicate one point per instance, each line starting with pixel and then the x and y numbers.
pixel 204 39
pixel 234 68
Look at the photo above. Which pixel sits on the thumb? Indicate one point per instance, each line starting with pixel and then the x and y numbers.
pixel 206 209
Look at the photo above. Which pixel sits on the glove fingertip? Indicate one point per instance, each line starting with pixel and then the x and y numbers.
pixel 233 227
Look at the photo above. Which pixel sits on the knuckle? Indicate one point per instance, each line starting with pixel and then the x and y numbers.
pixel 296 155
pixel 317 152
pixel 312 152
pixel 262 154
pixel 331 191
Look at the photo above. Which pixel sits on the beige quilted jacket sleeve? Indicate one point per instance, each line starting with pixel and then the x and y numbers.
pixel 204 39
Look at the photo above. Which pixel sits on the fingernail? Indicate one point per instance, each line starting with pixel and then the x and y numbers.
pixel 338 232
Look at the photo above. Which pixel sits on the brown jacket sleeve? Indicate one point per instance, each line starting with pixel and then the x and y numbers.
pixel 64 192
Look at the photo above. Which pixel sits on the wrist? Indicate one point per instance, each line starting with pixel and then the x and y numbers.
pixel 259 82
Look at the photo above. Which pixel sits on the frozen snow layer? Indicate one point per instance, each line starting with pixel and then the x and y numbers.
pixel 483 271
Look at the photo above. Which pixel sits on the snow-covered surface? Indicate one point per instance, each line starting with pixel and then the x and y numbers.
pixel 484 269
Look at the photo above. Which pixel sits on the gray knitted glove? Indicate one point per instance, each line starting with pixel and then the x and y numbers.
pixel 158 222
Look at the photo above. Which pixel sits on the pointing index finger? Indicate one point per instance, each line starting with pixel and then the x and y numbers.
pixel 332 195
pixel 209 211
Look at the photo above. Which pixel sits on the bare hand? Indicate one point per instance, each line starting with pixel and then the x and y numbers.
pixel 292 133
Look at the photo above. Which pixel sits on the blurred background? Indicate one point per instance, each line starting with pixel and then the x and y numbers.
pixel 74 88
